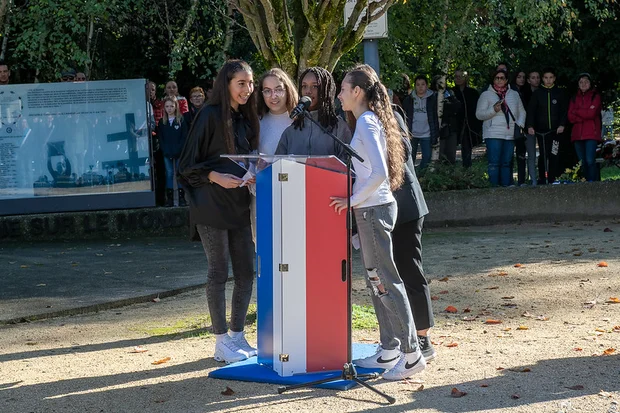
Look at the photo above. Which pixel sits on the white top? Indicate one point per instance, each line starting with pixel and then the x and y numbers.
pixel 372 186
pixel 494 124
pixel 271 128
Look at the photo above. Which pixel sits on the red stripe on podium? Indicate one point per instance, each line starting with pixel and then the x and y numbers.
pixel 326 293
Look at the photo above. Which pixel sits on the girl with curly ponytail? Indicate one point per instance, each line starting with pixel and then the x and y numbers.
pixel 378 141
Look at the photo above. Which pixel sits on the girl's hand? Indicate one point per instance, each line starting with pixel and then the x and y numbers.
pixel 227 181
pixel 339 204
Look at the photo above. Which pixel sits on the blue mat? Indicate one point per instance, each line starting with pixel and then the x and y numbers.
pixel 250 370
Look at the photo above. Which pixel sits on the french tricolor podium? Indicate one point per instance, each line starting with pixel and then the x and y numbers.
pixel 301 272
pixel 301 263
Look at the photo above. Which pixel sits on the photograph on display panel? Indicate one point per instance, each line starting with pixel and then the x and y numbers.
pixel 81 138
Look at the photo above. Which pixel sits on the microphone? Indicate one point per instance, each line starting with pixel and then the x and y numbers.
pixel 303 105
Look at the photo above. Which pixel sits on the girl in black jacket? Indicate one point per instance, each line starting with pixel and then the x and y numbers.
pixel 219 204
pixel 172 132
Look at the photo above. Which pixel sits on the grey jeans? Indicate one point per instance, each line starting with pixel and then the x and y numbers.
pixel 396 325
pixel 219 245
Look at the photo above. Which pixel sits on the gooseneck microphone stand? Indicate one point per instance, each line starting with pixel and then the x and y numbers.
pixel 348 371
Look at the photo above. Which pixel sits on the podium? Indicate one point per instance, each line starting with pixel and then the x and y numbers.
pixel 301 263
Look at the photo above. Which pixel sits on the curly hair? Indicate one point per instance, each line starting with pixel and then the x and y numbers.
pixel 291 93
pixel 221 97
pixel 327 97
pixel 378 101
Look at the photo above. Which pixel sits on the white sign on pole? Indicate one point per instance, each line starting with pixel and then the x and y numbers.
pixel 377 29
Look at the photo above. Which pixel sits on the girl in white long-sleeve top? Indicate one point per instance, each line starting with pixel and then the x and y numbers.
pixel 378 141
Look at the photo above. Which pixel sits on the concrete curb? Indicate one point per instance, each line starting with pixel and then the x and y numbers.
pixel 95 308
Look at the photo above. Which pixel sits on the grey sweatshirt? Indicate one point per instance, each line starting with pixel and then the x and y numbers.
pixel 420 127
pixel 313 141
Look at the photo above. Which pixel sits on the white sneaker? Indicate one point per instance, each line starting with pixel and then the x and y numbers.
pixel 408 365
pixel 228 351
pixel 382 359
pixel 244 345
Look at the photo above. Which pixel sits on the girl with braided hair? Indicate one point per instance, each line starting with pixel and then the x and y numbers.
pixel 305 138
pixel 378 140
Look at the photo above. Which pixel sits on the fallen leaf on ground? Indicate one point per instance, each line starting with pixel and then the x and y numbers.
pixel 228 391
pixel 457 393
pixel 515 396
pixel 451 309
pixel 138 349
pixel 467 310
pixel 605 393
pixel 609 351
pixel 521 369
pixel 600 330
pixel 470 318
pixel 578 349
pixel 444 279
pixel 484 385
pixel 443 292
pixel 575 387
pixel 156 299
pixel 499 368
pixel 526 314
pixel 453 344
pixel 434 298
pixel 542 318
pixel 607 230
pixel 506 329
pixel 602 264
pixel 613 300
pixel 492 321
pixel 508 297
pixel 161 361
pixel 616 329
pixel 492 288
pixel 518 265
pixel 523 328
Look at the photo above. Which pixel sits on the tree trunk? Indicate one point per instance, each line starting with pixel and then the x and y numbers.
pixel 89 39
pixel 297 34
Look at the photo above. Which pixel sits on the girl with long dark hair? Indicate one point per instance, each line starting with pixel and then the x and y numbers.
pixel 378 141
pixel 220 203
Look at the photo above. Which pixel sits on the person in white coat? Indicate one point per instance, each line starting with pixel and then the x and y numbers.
pixel 503 115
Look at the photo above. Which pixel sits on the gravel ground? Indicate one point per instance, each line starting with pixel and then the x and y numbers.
pixel 556 320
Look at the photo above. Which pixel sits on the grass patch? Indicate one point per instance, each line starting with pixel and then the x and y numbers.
pixel 193 326
pixel 610 173
pixel 363 317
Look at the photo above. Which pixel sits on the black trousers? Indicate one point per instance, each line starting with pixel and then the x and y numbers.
pixel 407 247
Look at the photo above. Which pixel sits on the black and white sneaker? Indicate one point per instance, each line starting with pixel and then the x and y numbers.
pixel 382 359
pixel 408 365
pixel 428 351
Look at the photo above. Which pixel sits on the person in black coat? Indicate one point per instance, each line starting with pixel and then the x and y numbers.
pixel 468 126
pixel 407 246
pixel 172 131
pixel 219 201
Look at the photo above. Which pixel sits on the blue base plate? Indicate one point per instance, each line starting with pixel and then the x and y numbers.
pixel 250 370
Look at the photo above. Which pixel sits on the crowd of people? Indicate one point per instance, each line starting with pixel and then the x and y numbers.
pixel 514 113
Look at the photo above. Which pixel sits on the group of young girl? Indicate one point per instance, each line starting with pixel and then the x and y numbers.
pixel 239 120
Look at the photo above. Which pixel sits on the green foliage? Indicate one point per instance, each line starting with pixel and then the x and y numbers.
pixel 574 174
pixel 363 317
pixel 444 177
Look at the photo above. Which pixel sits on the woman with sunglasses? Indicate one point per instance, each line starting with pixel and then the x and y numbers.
pixel 501 111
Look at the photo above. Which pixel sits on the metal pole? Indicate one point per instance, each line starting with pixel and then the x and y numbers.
pixel 371 54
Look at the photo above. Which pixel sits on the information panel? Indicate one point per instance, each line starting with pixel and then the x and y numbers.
pixel 70 139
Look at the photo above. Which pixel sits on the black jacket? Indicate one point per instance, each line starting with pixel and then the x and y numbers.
pixel 209 203
pixel 431 111
pixel 467 112
pixel 409 197
pixel 171 138
pixel 547 109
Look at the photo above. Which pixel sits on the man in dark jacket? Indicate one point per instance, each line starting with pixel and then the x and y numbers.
pixel 421 109
pixel 546 117
pixel 468 125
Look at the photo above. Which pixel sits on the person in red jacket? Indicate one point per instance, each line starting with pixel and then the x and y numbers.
pixel 584 112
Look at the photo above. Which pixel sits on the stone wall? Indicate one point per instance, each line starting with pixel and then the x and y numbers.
pixel 572 202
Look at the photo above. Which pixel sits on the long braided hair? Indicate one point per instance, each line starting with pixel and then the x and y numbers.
pixel 327 97
pixel 378 100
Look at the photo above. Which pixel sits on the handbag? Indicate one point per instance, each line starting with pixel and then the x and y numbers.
pixel 518 132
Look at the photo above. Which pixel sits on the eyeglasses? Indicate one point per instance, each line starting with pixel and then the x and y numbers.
pixel 275 92
pixel 193 97
pixel 500 78
pixel 68 78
